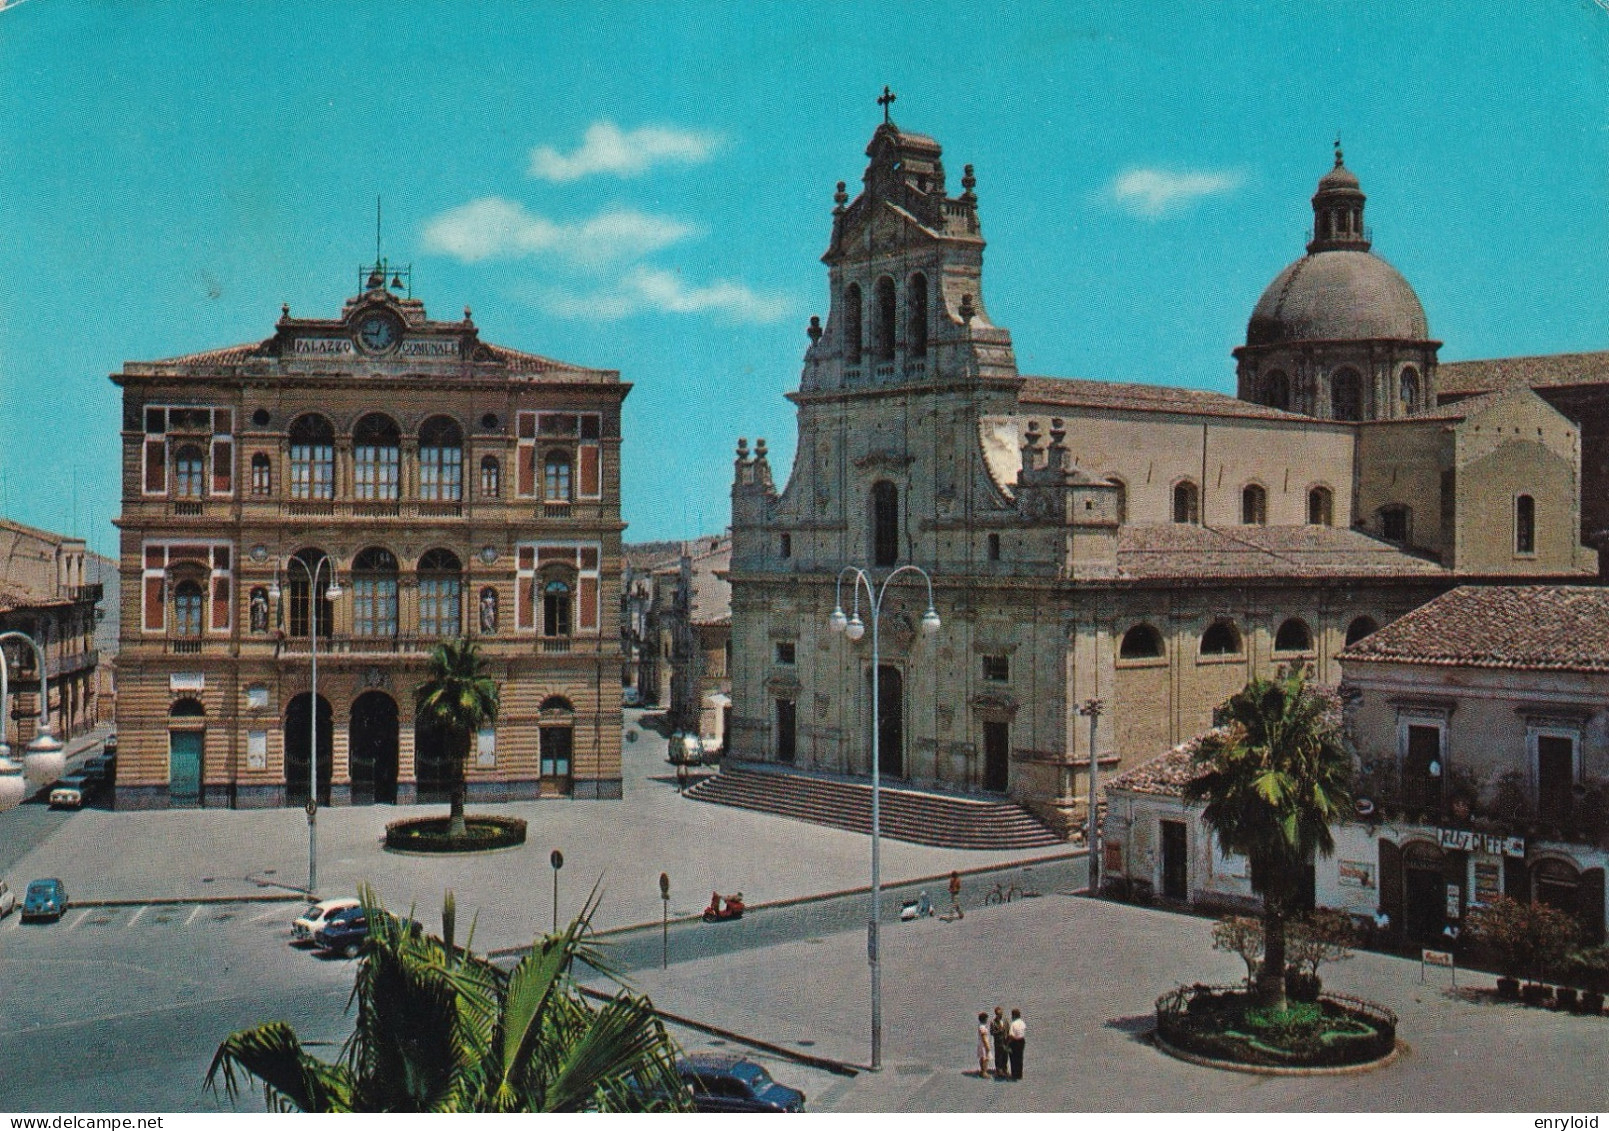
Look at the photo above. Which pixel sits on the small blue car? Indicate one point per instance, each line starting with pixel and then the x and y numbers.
pixel 46 899
pixel 722 1082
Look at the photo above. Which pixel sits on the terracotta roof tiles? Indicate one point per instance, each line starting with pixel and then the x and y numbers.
pixel 1067 392
pixel 1462 378
pixel 1185 551
pixel 1538 627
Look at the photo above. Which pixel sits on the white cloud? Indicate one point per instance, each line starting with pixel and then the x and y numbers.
pixel 1158 192
pixel 645 289
pixel 624 153
pixel 495 228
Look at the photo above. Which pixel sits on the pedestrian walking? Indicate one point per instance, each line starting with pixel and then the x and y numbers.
pixel 955 896
pixel 1000 1038
pixel 983 1045
pixel 1019 1040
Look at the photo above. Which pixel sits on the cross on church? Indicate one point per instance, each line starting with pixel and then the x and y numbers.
pixel 886 101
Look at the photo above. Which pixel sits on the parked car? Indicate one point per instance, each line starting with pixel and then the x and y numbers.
pixel 46 899
pixel 723 1082
pixel 8 899
pixel 71 791
pixel 344 932
pixel 313 920
pixel 631 697
pixel 94 768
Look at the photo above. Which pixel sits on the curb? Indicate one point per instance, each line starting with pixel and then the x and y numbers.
pixel 826 1064
pixel 1396 1053
pixel 187 901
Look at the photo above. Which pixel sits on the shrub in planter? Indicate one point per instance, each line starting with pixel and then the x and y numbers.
pixel 1508 988
pixel 1301 986
pixel 1565 997
pixel 1535 993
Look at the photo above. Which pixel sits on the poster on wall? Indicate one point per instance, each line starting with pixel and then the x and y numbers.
pixel 1355 874
pixel 1488 882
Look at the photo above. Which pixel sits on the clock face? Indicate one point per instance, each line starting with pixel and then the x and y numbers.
pixel 377 333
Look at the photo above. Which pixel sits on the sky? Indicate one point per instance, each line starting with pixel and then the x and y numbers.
pixel 648 188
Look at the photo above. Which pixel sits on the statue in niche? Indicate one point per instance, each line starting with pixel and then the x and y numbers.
pixel 259 610
pixel 488 610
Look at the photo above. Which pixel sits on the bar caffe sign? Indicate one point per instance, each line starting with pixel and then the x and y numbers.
pixel 1466 840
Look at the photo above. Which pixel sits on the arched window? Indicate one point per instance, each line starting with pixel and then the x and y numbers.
pixel 320 568
pixel 1222 638
pixel 374 593
pixel 1524 524
pixel 1142 642
pixel 1277 390
pixel 441 587
pixel 556 478
pixel 441 460
pixel 1396 523
pixel 188 602
pixel 853 313
pixel 1293 636
pixel 189 464
pixel 885 319
pixel 187 708
pixel 1359 628
pixel 1408 390
pixel 376 459
pixel 916 316
pixel 1253 505
pixel 312 439
pixel 262 475
pixel 555 609
pixel 1320 507
pixel 885 523
pixel 1346 395
pixel 1186 502
pixel 491 477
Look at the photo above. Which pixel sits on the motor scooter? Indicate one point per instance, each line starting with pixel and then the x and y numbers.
pixel 720 910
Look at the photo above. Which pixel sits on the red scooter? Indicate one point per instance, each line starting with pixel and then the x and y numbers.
pixel 720 910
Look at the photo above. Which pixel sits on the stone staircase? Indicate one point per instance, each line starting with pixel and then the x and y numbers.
pixel 935 819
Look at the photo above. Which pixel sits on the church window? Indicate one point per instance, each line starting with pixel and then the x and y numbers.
pixel 1395 523
pixel 188 467
pixel 852 324
pixel 374 593
pixel 1253 505
pixel 1408 390
pixel 1346 395
pixel 441 461
pixel 1142 642
pixel 885 523
pixel 312 458
pixel 262 476
pixel 377 458
pixel 994 547
pixel 1359 628
pixel 441 587
pixel 785 651
pixel 997 668
pixel 1524 524
pixel 555 609
pixel 1222 638
pixel 916 316
pixel 491 477
pixel 1186 502
pixel 785 545
pixel 1293 636
pixel 556 478
pixel 1277 390
pixel 1320 507
pixel 885 319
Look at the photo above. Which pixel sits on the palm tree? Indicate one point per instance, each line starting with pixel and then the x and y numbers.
pixel 457 698
pixel 439 1029
pixel 1275 774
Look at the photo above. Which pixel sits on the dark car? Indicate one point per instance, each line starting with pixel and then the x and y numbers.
pixel 722 1082
pixel 344 932
pixel 46 899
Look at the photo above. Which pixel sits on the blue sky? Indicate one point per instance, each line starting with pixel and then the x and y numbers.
pixel 648 188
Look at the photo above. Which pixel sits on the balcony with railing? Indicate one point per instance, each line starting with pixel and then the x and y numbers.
pixel 1505 803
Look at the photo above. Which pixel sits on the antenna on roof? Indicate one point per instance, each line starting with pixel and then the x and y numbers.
pixel 372 278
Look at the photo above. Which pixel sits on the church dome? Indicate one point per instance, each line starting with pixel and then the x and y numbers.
pixel 1337 295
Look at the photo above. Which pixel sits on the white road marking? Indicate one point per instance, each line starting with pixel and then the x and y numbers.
pixel 135 918
pixel 78 922
pixel 194 912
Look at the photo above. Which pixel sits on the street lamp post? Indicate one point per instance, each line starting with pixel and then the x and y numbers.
pixel 43 759
pixel 13 786
pixel 333 593
pixel 855 628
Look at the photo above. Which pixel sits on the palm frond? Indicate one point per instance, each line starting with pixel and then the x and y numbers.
pixel 291 1079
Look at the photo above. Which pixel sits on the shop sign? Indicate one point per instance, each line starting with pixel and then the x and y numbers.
pixel 1488 882
pixel 1467 840
pixel 1455 895
pixel 1355 874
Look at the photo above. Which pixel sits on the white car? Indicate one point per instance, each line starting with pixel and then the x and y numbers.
pixel 315 917
pixel 8 899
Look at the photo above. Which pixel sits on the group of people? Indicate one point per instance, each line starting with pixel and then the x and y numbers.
pixel 1002 1042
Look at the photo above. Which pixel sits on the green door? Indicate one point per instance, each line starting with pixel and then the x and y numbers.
pixel 184 766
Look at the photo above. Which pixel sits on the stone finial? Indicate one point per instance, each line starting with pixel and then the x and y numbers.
pixel 968 183
pixel 1030 446
pixel 742 448
pixel 466 316
pixel 840 200
pixel 759 448
pixel 284 310
pixel 815 328
pixel 1058 444
pixel 967 311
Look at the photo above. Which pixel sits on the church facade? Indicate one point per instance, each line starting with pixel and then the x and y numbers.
pixel 1109 562
pixel 363 487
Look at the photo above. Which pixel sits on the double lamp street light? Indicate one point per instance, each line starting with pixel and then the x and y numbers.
pixel 855 628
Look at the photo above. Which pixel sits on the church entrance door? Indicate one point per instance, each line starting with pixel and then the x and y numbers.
pixel 996 756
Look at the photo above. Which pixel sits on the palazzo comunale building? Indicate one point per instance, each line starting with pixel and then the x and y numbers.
pixel 1146 549
pixel 449 487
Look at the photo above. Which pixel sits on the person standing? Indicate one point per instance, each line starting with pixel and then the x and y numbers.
pixel 1018 1035
pixel 983 1046
pixel 1000 1037
pixel 955 895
